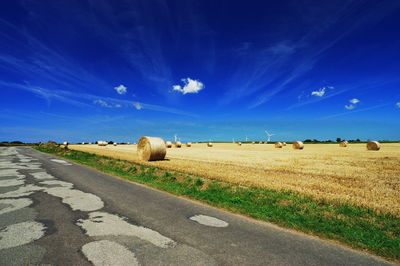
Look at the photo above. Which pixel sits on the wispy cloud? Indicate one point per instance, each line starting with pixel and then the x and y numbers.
pixel 398 104
pixel 102 103
pixel 278 67
pixel 354 101
pixel 121 89
pixel 321 91
pixel 137 105
pixel 191 86
pixel 354 111
pixel 83 99
pixel 353 104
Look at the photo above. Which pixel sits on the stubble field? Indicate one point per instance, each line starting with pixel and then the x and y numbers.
pixel 324 171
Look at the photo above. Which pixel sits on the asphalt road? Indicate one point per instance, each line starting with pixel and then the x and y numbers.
pixel 58 213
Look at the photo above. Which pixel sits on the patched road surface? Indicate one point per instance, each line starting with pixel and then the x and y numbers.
pixel 53 212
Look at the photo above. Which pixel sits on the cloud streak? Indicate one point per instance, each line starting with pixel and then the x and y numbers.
pixel 278 67
pixel 82 99
pixel 353 111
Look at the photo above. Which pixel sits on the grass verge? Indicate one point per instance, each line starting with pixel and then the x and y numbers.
pixel 358 227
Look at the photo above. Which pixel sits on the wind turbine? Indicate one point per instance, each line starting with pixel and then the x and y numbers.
pixel 176 139
pixel 269 136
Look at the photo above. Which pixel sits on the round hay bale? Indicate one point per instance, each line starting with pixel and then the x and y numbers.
pixel 102 143
pixel 151 149
pixel 265 142
pixel 115 144
pixel 343 144
pixel 373 146
pixel 209 144
pixel 253 142
pixel 278 145
pixel 283 143
pixel 260 142
pixel 239 143
pixel 177 144
pixel 188 144
pixel 168 144
pixel 65 143
pixel 298 145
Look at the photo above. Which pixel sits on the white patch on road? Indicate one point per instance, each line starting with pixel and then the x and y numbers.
pixel 9 172
pixel 19 234
pixel 12 182
pixel 209 221
pixel 42 176
pixel 14 204
pixel 60 161
pixel 57 183
pixel 20 165
pixel 106 252
pixel 76 199
pixel 103 224
pixel 21 192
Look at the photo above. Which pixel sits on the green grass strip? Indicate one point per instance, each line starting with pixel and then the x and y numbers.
pixel 358 227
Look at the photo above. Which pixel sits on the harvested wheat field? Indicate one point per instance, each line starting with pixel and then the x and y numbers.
pixel 324 171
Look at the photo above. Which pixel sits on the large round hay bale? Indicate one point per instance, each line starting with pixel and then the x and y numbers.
pixel 278 145
pixel 253 142
pixel 177 144
pixel 115 144
pixel 102 143
pixel 151 149
pixel 260 142
pixel 188 144
pixel 373 146
pixel 168 144
pixel 298 145
pixel 65 143
pixel 209 144
pixel 284 143
pixel 239 143
pixel 343 144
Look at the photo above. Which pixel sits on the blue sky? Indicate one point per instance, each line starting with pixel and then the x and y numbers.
pixel 204 70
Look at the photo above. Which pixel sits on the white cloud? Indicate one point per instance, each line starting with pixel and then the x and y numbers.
pixel 191 86
pixel 121 89
pixel 137 105
pixel 321 91
pixel 398 104
pixel 118 105
pixel 354 101
pixel 102 103
pixel 353 104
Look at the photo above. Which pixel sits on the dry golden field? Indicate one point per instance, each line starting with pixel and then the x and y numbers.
pixel 324 171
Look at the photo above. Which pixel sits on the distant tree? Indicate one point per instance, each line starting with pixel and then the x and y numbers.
pixel 110 142
pixel 338 139
pixel 17 142
pixel 358 140
pixel 307 140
